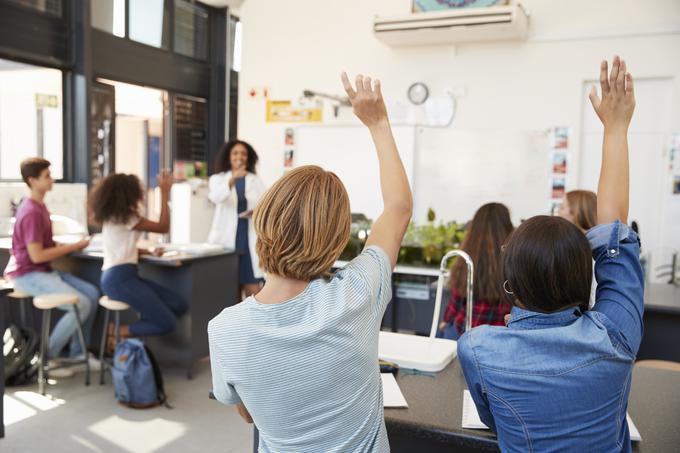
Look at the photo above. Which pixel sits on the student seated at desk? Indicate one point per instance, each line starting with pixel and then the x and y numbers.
pixel 557 378
pixel 115 203
pixel 29 266
pixel 300 358
pixel 486 234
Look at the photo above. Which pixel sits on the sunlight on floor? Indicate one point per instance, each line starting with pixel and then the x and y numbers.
pixel 136 437
pixel 22 405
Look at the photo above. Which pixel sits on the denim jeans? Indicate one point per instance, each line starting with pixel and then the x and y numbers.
pixel 57 282
pixel 158 306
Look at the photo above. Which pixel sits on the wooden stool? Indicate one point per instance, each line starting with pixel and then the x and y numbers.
pixel 659 364
pixel 46 303
pixel 116 307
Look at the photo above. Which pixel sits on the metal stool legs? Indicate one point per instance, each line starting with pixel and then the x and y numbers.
pixel 44 340
pixel 102 347
pixel 83 345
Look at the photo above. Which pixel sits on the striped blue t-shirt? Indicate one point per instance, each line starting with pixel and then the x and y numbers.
pixel 307 368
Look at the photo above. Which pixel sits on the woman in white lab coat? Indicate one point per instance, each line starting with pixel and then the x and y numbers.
pixel 235 189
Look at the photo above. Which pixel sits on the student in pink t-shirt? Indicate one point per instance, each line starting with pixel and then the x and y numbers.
pixel 32 251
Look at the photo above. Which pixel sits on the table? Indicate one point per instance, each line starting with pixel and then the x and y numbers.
pixel 208 282
pixel 3 303
pixel 432 422
pixel 661 340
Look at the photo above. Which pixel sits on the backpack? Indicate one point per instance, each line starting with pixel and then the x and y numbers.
pixel 20 354
pixel 137 379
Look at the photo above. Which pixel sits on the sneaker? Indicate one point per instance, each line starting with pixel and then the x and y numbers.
pixel 95 365
pixel 59 373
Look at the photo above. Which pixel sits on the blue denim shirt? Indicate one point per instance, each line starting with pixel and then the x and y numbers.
pixel 560 381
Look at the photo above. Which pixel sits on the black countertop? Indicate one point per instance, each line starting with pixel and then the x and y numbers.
pixel 435 410
pixel 171 261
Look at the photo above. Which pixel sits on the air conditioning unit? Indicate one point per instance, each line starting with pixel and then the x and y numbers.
pixel 495 23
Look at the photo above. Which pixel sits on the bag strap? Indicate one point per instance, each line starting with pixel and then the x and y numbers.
pixel 158 377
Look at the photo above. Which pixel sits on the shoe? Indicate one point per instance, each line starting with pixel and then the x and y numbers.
pixel 59 373
pixel 95 365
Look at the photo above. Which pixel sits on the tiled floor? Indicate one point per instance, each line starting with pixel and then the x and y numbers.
pixel 75 418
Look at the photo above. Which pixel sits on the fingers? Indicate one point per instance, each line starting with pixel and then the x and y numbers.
pixel 359 82
pixel 378 91
pixel 621 77
pixel 604 83
pixel 629 84
pixel 594 98
pixel 348 86
pixel 614 74
pixel 367 84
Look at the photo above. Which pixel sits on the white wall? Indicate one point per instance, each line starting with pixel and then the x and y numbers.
pixel 508 87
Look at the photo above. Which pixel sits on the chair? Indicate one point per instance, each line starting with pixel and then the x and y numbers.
pixel 116 307
pixel 46 303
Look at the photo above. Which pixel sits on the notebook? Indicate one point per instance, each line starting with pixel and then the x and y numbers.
pixel 471 418
pixel 392 396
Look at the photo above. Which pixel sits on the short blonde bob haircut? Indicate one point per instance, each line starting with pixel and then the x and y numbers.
pixel 302 224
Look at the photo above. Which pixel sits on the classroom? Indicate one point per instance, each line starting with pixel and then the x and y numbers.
pixel 319 226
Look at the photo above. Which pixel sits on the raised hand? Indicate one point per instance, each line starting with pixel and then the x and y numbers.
pixel 367 101
pixel 165 181
pixel 615 108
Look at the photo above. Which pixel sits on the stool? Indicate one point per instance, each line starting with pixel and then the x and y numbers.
pixel 23 298
pixel 659 364
pixel 46 303
pixel 116 307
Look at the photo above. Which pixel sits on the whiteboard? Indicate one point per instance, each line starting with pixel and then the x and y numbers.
pixel 348 151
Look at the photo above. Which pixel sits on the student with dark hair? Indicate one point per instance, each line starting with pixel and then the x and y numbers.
pixel 235 189
pixel 486 233
pixel 29 266
pixel 558 377
pixel 115 203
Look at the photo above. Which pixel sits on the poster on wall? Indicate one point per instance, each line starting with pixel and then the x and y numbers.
pixel 420 6
pixel 674 163
pixel 560 163
pixel 559 156
pixel 289 148
pixel 286 112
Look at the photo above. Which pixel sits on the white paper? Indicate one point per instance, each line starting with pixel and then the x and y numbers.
pixel 392 396
pixel 470 415
pixel 471 418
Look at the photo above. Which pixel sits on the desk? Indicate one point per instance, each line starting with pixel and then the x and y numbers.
pixel 3 305
pixel 209 283
pixel 432 421
pixel 661 340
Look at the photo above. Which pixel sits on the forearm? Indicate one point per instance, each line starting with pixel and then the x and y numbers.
pixel 51 254
pixel 164 220
pixel 394 185
pixel 613 187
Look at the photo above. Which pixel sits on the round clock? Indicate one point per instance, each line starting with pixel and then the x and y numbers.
pixel 418 93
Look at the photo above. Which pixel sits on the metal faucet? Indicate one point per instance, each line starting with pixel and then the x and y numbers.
pixel 443 271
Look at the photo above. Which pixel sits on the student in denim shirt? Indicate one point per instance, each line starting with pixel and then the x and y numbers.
pixel 557 378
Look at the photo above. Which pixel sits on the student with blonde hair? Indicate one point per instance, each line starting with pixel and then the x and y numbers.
pixel 300 358
pixel 580 208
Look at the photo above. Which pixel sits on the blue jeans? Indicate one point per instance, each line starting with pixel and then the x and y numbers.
pixel 158 306
pixel 57 282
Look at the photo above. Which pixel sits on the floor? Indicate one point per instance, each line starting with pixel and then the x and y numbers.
pixel 74 418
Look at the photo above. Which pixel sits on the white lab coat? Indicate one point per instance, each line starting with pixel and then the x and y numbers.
pixel 225 220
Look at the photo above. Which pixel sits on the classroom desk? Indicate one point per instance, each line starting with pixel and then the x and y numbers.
pixel 432 422
pixel 3 303
pixel 661 340
pixel 209 283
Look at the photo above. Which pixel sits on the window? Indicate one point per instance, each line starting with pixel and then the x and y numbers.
pixel 109 16
pixel 31 117
pixel 44 6
pixel 191 30
pixel 146 22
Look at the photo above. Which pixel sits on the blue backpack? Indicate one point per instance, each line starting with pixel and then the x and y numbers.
pixel 137 379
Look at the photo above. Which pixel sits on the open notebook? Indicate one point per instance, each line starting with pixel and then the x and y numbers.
pixel 471 418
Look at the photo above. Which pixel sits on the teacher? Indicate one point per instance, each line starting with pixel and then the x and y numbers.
pixel 235 189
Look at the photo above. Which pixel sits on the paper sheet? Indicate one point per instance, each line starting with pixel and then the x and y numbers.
pixel 392 396
pixel 471 418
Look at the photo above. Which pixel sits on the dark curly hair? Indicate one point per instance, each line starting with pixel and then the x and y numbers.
pixel 223 163
pixel 115 199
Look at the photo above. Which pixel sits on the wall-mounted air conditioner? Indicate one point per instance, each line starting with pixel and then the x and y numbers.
pixel 495 23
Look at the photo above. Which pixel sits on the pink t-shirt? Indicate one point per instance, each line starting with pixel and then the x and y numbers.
pixel 32 224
